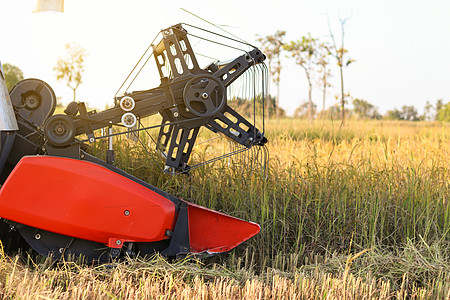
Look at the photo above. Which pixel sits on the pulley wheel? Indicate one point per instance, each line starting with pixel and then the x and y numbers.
pixel 59 130
pixel 127 103
pixel 34 100
pixel 129 120
pixel 204 95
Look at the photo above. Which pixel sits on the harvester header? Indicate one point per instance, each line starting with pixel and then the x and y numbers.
pixel 65 201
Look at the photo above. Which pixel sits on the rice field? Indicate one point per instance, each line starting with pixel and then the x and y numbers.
pixel 158 279
pixel 359 211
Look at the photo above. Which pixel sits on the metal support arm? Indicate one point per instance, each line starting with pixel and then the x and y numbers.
pixel 188 95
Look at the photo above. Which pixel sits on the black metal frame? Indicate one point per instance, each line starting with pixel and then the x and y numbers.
pixel 177 139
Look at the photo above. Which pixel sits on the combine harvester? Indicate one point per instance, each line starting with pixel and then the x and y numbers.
pixel 65 202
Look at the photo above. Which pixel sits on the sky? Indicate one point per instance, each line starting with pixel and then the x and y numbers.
pixel 400 48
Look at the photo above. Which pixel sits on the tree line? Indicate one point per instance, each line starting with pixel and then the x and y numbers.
pixel 316 57
pixel 311 54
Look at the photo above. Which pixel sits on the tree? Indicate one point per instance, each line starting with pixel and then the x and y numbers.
pixel 439 105
pixel 409 113
pixel 364 110
pixel 271 46
pixel 444 113
pixel 323 63
pixel 248 107
pixel 334 112
pixel 393 114
pixel 70 68
pixel 13 75
pixel 304 110
pixel 427 111
pixel 304 52
pixel 340 54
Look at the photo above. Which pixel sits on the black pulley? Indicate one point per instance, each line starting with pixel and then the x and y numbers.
pixel 204 95
pixel 59 130
pixel 34 100
pixel 72 109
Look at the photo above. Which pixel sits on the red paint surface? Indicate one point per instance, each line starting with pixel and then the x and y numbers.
pixel 215 232
pixel 83 200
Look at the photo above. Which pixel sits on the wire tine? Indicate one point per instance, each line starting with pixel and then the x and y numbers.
pixel 151 54
pixel 242 41
pixel 251 86
pixel 135 66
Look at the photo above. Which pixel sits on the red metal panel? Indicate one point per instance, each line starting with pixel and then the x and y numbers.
pixel 83 200
pixel 216 232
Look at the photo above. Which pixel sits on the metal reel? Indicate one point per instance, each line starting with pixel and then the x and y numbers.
pixel 34 100
pixel 59 130
pixel 204 95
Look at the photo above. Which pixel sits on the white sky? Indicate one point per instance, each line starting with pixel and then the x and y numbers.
pixel 401 47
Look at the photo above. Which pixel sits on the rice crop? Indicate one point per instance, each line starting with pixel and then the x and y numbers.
pixel 359 211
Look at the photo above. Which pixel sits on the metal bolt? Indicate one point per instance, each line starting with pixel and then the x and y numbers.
pixel 118 242
pixel 205 95
pixel 37 236
pixel 59 129
pixel 91 140
pixel 126 212
pixel 176 114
